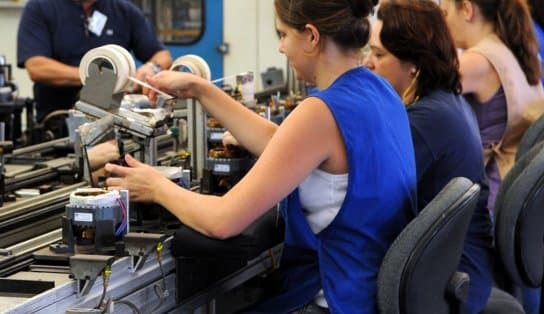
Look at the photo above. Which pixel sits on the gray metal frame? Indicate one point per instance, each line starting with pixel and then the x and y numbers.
pixel 136 287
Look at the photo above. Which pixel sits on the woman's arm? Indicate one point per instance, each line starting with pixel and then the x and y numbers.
pixel 306 140
pixel 252 131
pixel 478 76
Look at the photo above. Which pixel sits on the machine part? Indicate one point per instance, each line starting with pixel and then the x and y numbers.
pixel 245 84
pixel 111 57
pixel 272 78
pixel 6 147
pixel 131 101
pixel 83 311
pixel 86 268
pixel 127 120
pixel 6 255
pixel 74 121
pixel 31 209
pixel 139 245
pixel 154 115
pixel 125 285
pixel 128 58
pixel 132 123
pixel 172 173
pixel 37 148
pixel 92 132
pixel 5 72
pixel 27 192
pixel 2 72
pixel 93 197
pixel 192 64
pixel 102 68
pixel 95 219
pixel 228 166
pixel 53 125
pixel 99 89
pixel 140 125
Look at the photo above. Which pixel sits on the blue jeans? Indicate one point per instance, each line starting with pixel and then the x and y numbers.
pixel 531 300
pixel 476 261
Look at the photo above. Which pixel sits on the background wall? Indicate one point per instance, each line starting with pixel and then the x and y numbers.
pixel 9 21
pixel 251 33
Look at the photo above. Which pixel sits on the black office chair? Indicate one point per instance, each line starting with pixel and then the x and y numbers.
pixel 519 235
pixel 418 273
pixel 532 136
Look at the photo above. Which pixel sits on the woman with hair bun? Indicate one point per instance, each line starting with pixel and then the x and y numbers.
pixel 500 73
pixel 343 158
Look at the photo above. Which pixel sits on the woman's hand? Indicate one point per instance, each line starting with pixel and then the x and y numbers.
pixel 228 139
pixel 103 153
pixel 145 71
pixel 140 179
pixel 179 84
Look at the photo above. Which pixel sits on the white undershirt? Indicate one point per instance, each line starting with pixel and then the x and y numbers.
pixel 321 196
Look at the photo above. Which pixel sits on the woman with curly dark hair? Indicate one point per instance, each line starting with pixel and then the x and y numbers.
pixel 411 47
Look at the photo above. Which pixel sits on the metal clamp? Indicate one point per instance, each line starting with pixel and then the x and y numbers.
pixel 139 245
pixel 86 268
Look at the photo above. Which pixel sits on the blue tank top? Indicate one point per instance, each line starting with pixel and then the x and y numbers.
pixel 344 258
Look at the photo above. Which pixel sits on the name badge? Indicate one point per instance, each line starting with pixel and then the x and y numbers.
pixel 97 22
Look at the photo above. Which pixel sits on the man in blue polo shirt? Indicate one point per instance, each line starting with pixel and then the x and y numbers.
pixel 54 35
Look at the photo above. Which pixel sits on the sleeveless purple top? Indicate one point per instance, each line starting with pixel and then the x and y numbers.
pixel 491 116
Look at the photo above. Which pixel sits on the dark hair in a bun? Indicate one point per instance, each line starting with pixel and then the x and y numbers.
pixel 345 21
pixel 362 8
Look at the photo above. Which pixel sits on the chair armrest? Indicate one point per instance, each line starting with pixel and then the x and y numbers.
pixel 457 290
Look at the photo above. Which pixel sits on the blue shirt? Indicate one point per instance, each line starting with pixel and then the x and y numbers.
pixel 447 145
pixel 344 258
pixel 539 32
pixel 56 29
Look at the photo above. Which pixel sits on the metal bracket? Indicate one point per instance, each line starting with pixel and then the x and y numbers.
pixel 139 245
pixel 94 132
pixel 86 268
pixel 98 89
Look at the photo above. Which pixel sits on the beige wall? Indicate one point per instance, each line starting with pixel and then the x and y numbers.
pixel 250 31
pixel 9 21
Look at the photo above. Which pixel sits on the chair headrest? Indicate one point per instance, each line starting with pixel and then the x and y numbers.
pixel 431 243
pixel 532 136
pixel 519 218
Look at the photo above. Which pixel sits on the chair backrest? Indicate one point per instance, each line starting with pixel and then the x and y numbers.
pixel 417 268
pixel 519 212
pixel 532 136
